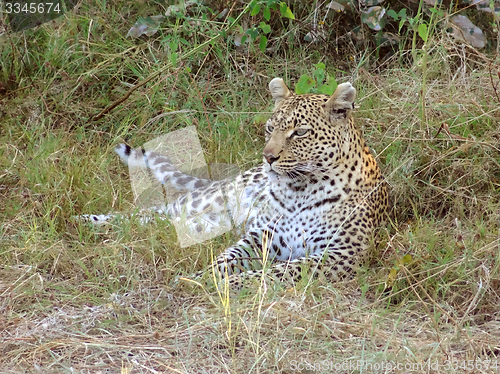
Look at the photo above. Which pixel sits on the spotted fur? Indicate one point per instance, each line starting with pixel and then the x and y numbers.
pixel 310 208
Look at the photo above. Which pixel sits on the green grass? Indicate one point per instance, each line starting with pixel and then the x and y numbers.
pixel 82 298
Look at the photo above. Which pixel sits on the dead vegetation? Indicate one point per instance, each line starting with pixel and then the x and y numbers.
pixel 79 299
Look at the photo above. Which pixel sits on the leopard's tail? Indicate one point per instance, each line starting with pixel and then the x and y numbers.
pixel 161 166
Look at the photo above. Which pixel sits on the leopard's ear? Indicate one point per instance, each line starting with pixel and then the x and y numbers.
pixel 279 90
pixel 342 99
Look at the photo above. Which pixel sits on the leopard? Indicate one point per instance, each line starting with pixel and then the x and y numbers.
pixel 311 207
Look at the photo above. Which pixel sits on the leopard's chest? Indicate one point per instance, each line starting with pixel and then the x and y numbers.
pixel 298 219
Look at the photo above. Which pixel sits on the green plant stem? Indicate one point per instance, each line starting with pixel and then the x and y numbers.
pixel 424 87
pixel 168 66
pixel 423 91
pixel 415 30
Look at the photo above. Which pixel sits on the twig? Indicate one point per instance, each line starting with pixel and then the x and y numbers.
pixel 492 83
pixel 168 66
pixel 439 130
pixel 165 114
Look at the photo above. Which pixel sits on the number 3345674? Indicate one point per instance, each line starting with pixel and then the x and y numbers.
pixel 18 8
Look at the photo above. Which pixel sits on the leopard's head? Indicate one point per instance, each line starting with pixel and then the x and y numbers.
pixel 308 133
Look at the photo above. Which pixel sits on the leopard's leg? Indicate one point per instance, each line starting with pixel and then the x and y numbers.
pixel 334 265
pixel 333 256
pixel 248 253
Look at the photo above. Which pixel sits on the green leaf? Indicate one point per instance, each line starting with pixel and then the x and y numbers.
pixel 440 13
pixel 393 14
pixel 265 28
pixel 304 85
pixel 328 89
pixel 332 82
pixel 255 10
pixel 173 46
pixel 253 32
pixel 391 277
pixel 401 23
pixel 407 259
pixel 320 65
pixel 422 31
pixel 319 75
pixel 263 43
pixel 267 13
pixel 173 58
pixel 286 11
pixel 324 89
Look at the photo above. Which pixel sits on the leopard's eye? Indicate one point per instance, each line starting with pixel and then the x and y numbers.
pixel 300 132
pixel 270 128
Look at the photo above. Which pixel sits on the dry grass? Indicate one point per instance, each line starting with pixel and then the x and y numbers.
pixel 79 299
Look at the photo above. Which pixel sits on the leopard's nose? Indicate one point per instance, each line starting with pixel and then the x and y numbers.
pixel 271 158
